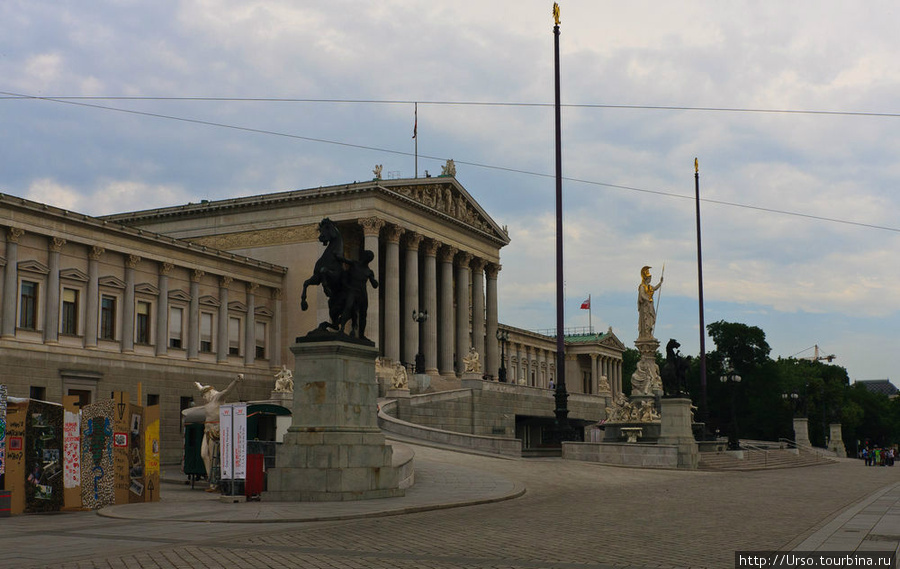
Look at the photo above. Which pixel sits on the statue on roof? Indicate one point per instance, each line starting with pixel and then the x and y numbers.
pixel 449 169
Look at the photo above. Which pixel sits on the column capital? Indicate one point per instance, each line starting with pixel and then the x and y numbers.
pixel 96 252
pixel 13 234
pixel 413 240
pixel 593 357
pixel 56 244
pixel 165 268
pixel 571 357
pixel 463 259
pixel 478 264
pixel 131 261
pixel 371 225
pixel 393 233
pixel 196 275
pixel 277 294
pixel 432 246
pixel 447 253
pixel 225 281
pixel 251 287
pixel 493 270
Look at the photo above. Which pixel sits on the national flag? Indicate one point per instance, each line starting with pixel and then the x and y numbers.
pixel 416 123
pixel 586 305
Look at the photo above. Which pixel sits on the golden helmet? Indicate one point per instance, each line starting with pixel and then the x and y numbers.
pixel 645 272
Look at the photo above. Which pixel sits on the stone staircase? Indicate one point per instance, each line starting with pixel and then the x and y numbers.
pixel 760 459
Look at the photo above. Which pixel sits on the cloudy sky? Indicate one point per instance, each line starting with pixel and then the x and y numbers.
pixel 791 108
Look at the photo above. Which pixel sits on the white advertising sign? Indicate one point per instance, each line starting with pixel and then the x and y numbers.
pixel 233 441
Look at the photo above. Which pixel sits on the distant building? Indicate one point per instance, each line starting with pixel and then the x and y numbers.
pixel 882 386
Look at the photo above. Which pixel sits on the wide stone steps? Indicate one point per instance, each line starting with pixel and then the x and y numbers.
pixel 761 459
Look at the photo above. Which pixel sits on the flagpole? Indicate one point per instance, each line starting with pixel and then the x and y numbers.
pixel 703 409
pixel 590 316
pixel 416 135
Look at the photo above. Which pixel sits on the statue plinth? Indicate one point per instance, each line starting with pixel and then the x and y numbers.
pixel 676 429
pixel 333 450
pixel 646 381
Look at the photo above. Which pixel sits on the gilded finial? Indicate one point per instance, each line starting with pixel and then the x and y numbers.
pixel 556 13
pixel 696 166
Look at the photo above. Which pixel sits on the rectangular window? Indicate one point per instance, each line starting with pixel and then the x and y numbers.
pixel 152 399
pixel 175 321
pixel 39 393
pixel 28 305
pixel 586 382
pixel 142 325
pixel 69 314
pixel 261 340
pixel 107 317
pixel 234 336
pixel 206 332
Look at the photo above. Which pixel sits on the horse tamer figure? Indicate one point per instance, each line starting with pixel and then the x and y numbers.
pixel 343 281
pixel 674 373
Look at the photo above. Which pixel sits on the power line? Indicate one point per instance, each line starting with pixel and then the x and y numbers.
pixel 64 98
pixel 70 101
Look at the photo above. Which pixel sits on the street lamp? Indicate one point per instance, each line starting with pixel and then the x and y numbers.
pixel 729 376
pixel 793 399
pixel 420 317
pixel 503 337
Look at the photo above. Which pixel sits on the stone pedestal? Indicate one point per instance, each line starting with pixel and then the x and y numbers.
pixel 419 383
pixel 646 380
pixel 283 398
pixel 472 380
pixel 402 397
pixel 675 429
pixel 836 440
pixel 801 431
pixel 333 450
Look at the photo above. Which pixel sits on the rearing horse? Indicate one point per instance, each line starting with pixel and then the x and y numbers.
pixel 329 272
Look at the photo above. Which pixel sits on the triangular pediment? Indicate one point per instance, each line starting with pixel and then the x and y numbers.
pixel 447 199
pixel 237 306
pixel 612 341
pixel 263 311
pixel 112 282
pixel 73 275
pixel 146 288
pixel 179 295
pixel 209 300
pixel 33 266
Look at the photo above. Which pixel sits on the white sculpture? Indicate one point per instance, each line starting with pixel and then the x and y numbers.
pixel 603 384
pixel 400 379
pixel 284 380
pixel 472 361
pixel 645 378
pixel 214 400
pixel 377 171
pixel 646 308
pixel 449 169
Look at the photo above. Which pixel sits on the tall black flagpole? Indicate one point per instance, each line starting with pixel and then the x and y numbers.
pixel 562 396
pixel 703 409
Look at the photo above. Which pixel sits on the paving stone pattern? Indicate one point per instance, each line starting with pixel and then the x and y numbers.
pixel 572 515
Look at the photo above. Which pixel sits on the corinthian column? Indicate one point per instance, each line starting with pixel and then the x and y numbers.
pixel 478 308
pixel 391 283
pixel 430 294
pixel 371 230
pixel 11 280
pixel 463 279
pixel 193 331
pixel 411 297
pixel 131 262
pixel 162 310
pixel 93 297
pixel 492 358
pixel 51 322
pixel 445 312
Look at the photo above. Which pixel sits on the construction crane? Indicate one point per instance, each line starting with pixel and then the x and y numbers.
pixel 818 358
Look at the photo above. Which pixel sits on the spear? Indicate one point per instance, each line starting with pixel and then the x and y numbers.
pixel 659 298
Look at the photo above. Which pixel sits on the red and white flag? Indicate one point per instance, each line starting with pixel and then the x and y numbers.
pixel 586 305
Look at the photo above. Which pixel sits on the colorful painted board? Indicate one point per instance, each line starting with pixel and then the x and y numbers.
pixel 151 453
pixel 72 452
pixel 43 457
pixel 2 429
pixel 97 474
pixel 14 479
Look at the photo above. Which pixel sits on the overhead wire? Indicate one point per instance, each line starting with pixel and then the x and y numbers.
pixel 79 101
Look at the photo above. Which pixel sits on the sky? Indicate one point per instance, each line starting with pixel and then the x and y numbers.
pixel 790 107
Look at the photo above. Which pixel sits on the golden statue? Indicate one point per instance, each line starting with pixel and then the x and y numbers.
pixel 556 13
pixel 646 309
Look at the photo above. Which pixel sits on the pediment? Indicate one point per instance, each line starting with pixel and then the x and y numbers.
pixel 448 199
pixel 179 295
pixel 112 282
pixel 263 311
pixel 611 340
pixel 146 288
pixel 209 300
pixel 33 266
pixel 73 275
pixel 237 306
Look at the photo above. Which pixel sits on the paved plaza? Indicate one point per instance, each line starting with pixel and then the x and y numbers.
pixel 470 511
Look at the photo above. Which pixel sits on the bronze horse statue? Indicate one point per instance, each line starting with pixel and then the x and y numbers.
pixel 344 287
pixel 674 373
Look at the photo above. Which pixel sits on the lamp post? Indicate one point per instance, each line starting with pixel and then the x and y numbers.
pixel 420 317
pixel 792 399
pixel 503 337
pixel 729 376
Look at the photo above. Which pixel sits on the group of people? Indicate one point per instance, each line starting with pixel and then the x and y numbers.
pixel 877 456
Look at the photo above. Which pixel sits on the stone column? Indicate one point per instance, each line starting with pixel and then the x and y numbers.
pixel 595 375
pixel 250 325
pixel 277 337
pixel 572 373
pixel 162 310
pixel 478 307
pixel 462 309
pixel 801 431
pixel 392 293
pixel 430 294
pixel 371 230
pixel 51 314
pixel 411 298
pixel 492 357
pixel 445 312
pixel 11 281
pixel 518 371
pixel 131 262
pixel 91 305
pixel 222 328
pixel 528 367
pixel 193 331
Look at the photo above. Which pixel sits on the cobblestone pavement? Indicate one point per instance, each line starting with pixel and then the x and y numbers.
pixel 572 515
